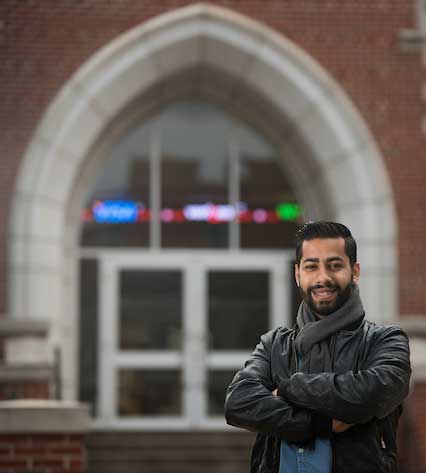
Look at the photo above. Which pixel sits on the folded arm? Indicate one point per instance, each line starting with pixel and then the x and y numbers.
pixel 250 403
pixel 357 396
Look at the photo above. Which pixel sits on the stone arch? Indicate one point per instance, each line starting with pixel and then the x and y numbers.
pixel 332 158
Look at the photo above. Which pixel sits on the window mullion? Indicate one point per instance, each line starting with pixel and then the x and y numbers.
pixel 195 343
pixel 155 187
pixel 234 189
pixel 107 395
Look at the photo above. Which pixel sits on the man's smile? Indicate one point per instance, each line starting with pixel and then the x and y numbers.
pixel 323 293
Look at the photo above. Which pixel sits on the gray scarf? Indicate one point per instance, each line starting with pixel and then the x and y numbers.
pixel 312 342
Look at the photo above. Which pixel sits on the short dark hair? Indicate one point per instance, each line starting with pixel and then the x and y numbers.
pixel 322 229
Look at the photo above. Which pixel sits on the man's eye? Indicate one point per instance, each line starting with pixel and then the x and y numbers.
pixel 310 267
pixel 336 267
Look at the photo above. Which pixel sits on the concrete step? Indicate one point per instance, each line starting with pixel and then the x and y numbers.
pixel 168 452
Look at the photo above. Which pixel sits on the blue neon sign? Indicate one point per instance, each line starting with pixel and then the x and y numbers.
pixel 115 211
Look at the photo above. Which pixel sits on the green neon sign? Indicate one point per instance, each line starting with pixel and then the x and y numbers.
pixel 287 211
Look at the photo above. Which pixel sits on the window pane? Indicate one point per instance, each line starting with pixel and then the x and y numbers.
pixel 88 326
pixel 238 308
pixel 218 382
pixel 116 212
pixel 150 309
pixel 273 211
pixel 149 392
pixel 194 175
pixel 194 138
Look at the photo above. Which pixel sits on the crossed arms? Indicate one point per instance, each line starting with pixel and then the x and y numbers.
pixel 306 404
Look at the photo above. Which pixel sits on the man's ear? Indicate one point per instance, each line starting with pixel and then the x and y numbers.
pixel 297 274
pixel 356 270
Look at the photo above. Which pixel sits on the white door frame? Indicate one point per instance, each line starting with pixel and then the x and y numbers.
pixel 194 359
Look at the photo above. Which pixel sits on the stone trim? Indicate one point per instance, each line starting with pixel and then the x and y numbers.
pixel 22 328
pixel 13 373
pixel 40 416
pixel 418 359
pixel 411 41
pixel 414 325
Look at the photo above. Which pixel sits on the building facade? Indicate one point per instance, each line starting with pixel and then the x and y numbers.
pixel 157 159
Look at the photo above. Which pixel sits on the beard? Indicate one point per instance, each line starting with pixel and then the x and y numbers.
pixel 327 307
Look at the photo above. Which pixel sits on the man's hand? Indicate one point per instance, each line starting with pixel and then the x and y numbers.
pixel 338 427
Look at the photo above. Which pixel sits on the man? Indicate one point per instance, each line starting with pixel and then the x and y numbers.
pixel 324 396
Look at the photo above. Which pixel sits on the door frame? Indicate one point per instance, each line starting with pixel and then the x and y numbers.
pixel 195 360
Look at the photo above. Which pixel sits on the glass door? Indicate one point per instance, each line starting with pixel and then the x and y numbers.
pixel 245 296
pixel 175 326
pixel 142 342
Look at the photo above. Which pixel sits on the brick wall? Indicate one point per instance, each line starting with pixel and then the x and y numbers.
pixel 24 390
pixel 43 43
pixel 43 436
pixel 412 430
pixel 42 453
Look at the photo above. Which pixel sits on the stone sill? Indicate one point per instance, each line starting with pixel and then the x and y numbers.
pixel 11 328
pixel 26 372
pixel 43 416
pixel 411 41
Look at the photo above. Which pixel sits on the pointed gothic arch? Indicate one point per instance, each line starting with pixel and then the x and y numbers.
pixel 333 160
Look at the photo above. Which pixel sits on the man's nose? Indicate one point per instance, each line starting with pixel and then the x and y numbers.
pixel 323 275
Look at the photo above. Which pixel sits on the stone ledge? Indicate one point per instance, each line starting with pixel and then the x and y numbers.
pixel 26 372
pixel 10 327
pixel 413 325
pixel 43 416
pixel 418 359
pixel 411 41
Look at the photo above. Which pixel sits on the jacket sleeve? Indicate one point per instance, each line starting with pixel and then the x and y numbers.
pixel 250 404
pixel 357 396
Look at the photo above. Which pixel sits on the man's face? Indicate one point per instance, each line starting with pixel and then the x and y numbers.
pixel 325 275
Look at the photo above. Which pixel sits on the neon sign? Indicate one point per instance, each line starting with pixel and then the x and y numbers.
pixel 123 211
pixel 209 213
pixel 288 211
pixel 115 211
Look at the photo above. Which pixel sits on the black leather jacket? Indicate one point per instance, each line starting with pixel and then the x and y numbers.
pixel 369 381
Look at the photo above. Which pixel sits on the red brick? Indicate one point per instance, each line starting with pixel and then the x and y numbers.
pixel 14 438
pixel 48 463
pixel 75 438
pixel 24 390
pixel 77 466
pixel 12 463
pixel 31 450
pixel 67 450
pixel 27 470
pixel 5 452
pixel 51 440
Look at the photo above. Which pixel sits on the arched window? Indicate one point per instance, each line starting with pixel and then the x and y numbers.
pixel 191 177
pixel 185 262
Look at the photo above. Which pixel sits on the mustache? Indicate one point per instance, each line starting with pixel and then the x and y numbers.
pixel 322 286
